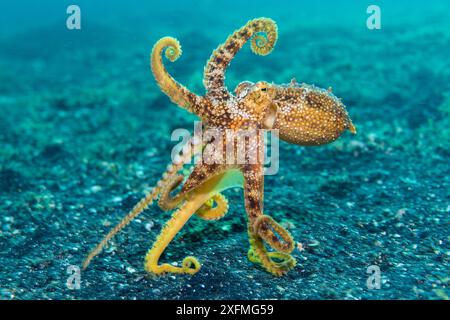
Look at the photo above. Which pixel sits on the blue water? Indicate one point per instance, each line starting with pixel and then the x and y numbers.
pixel 84 130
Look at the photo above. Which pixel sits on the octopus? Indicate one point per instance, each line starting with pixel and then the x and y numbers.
pixel 301 114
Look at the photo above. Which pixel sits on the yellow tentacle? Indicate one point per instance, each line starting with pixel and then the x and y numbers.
pixel 193 201
pixel 208 212
pixel 138 208
pixel 190 264
pixel 265 226
pixel 179 94
pixel 166 201
pixel 259 254
pixel 168 177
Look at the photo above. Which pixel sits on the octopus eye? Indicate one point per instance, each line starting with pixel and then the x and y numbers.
pixel 243 88
pixel 263 89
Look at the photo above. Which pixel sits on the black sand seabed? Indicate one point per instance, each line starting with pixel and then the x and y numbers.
pixel 84 131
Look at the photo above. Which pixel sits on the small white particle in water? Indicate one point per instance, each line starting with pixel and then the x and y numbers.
pixel 140 174
pixel 117 199
pixel 96 189
pixel 149 226
pixel 131 270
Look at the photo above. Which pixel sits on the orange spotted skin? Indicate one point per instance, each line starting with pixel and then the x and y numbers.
pixel 310 116
pixel 303 114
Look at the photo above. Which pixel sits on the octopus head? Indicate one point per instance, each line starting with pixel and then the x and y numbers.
pixel 257 100
pixel 307 115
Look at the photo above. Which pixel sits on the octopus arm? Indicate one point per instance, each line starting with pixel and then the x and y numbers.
pixel 201 174
pixel 177 93
pixel 263 229
pixel 194 201
pixel 261 44
pixel 167 182
pixel 210 212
